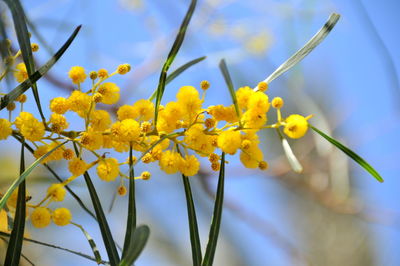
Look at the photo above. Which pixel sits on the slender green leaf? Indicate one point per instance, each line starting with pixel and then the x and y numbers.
pixel 193 228
pixel 228 80
pixel 55 247
pixel 101 219
pixel 17 234
pixel 24 86
pixel 306 49
pixel 56 176
pixel 131 219
pixel 216 219
pixel 92 244
pixel 24 42
pixel 171 56
pixel 177 72
pixel 137 244
pixel 22 177
pixel 351 154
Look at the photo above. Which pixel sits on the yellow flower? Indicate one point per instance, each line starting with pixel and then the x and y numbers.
pixel 3 221
pixel 59 105
pixel 277 102
pixel 62 216
pixel 58 123
pixel 126 130
pixel 170 162
pixel 229 141
pixel 190 166
pixel 32 129
pixel 100 120
pixel 254 119
pixel 243 95
pixel 251 157
pixel 126 112
pixel 22 118
pixel 77 74
pixel 259 102
pixel 108 169
pixel 296 126
pixel 77 166
pixel 220 112
pixel 79 102
pixel 143 109
pixel 41 217
pixel 189 99
pixel 20 73
pixel 110 92
pixel 123 69
pixel 57 192
pixel 92 140
pixel 5 128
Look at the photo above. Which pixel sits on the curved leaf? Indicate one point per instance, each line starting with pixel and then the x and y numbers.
pixel 137 244
pixel 351 154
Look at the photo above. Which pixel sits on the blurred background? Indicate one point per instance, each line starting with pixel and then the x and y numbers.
pixel 333 214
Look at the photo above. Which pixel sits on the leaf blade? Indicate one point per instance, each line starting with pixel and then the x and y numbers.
pixel 24 86
pixel 139 239
pixel 217 215
pixel 358 159
pixel 14 249
pixel 171 56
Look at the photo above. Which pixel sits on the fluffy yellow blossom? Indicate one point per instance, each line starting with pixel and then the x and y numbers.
pixel 189 166
pixel 77 74
pixel 32 129
pixel 145 175
pixel 143 109
pixel 108 169
pixel 110 92
pixel 22 98
pixel 59 105
pixel 57 192
pixel 79 102
pixel 259 102
pixel 262 86
pixel 62 216
pixel 58 123
pixel 20 73
pixel 253 119
pixel 296 126
pixel 125 112
pixel 189 99
pixel 126 130
pixel 103 73
pixel 204 85
pixel 41 217
pixel 77 166
pixel 220 112
pixel 170 162
pixel 5 128
pixel 251 157
pixel 68 154
pixel 23 118
pixel 243 95
pixel 100 120
pixel 40 151
pixel 92 140
pixel 229 141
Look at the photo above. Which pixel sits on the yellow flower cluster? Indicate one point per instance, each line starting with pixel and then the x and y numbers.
pixel 185 131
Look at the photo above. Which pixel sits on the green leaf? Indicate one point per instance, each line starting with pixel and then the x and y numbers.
pixel 54 246
pixel 177 72
pixel 24 42
pixel 131 219
pixel 216 219
pixel 22 177
pixel 228 80
pixel 351 154
pixel 24 86
pixel 101 219
pixel 193 228
pixel 17 234
pixel 137 244
pixel 92 244
pixel 194 231
pixel 56 176
pixel 306 49
pixel 171 56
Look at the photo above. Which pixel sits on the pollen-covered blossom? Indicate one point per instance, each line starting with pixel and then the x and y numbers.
pixel 110 93
pixel 77 166
pixel 5 128
pixel 62 216
pixel 57 192
pixel 20 73
pixel 77 74
pixel 108 169
pixel 296 126
pixel 40 217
